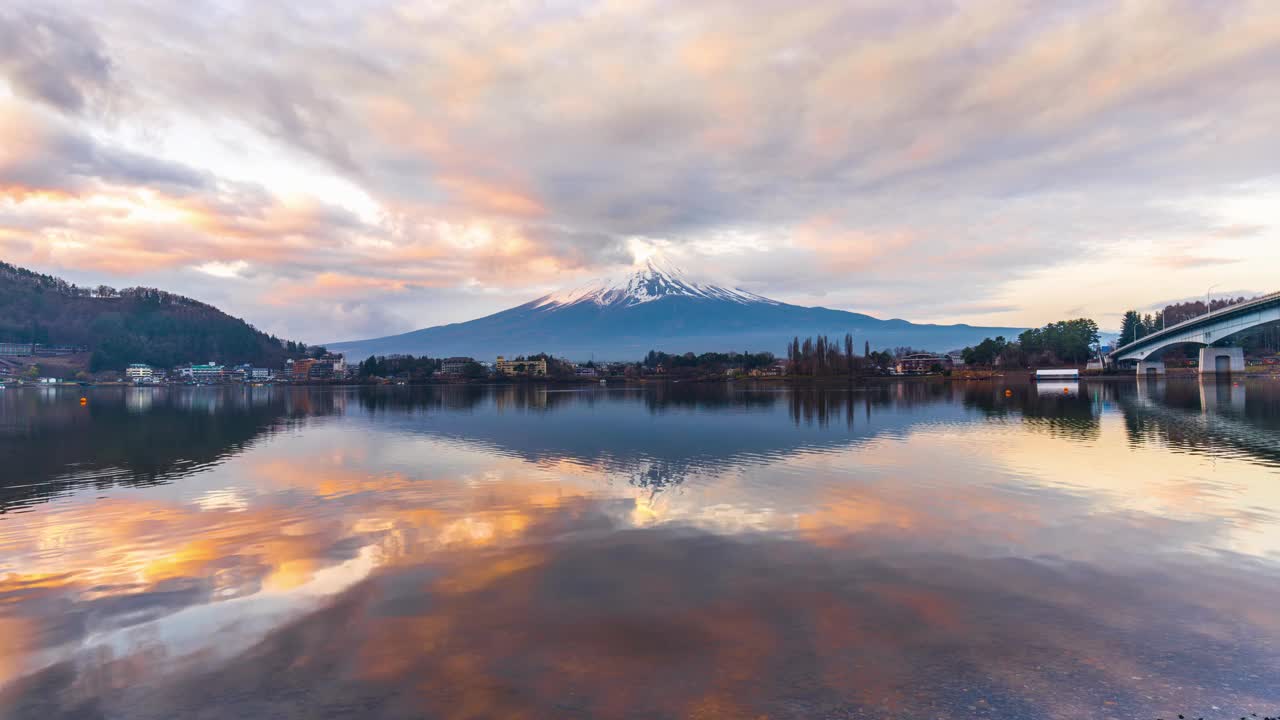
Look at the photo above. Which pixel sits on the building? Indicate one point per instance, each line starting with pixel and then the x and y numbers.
pixel 922 363
pixel 455 365
pixel 299 370
pixel 207 373
pixel 320 369
pixel 327 367
pixel 17 349
pixel 259 374
pixel 140 373
pixel 533 368
pixel 584 371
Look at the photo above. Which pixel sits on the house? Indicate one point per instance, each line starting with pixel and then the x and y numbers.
pixel 922 363
pixel 535 368
pixel 584 371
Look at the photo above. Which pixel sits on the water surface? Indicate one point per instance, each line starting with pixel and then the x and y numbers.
pixel 719 551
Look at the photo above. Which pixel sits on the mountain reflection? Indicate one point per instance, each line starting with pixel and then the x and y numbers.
pixel 139 437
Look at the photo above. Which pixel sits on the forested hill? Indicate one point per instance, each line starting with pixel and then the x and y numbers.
pixel 126 326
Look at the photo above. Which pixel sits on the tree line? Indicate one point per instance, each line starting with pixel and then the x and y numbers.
pixel 419 368
pixel 131 325
pixel 414 368
pixel 1071 342
pixel 708 362
pixel 1134 325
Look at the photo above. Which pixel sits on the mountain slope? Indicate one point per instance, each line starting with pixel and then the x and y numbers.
pixel 125 326
pixel 657 308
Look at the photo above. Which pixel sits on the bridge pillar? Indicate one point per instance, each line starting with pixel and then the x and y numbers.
pixel 1218 395
pixel 1221 360
pixel 1146 368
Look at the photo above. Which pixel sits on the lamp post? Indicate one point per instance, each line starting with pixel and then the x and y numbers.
pixel 1208 303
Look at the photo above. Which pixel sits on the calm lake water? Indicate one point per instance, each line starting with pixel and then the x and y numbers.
pixel 719 551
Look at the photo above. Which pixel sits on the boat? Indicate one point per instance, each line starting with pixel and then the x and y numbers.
pixel 1058 374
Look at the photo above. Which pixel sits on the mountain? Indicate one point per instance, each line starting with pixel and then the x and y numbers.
pixel 126 326
pixel 657 307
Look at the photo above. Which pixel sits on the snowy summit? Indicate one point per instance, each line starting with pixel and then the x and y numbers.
pixel 653 280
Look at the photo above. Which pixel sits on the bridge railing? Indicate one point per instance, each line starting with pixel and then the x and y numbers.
pixel 1172 329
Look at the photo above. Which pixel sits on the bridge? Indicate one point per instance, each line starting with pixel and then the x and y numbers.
pixel 1208 331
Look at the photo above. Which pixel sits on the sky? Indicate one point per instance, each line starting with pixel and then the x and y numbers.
pixel 341 170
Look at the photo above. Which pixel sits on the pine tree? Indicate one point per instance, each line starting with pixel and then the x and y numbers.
pixel 1130 327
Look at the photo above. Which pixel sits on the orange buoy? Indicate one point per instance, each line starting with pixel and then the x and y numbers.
pixel 1066 390
pixel 84 401
pixel 1008 393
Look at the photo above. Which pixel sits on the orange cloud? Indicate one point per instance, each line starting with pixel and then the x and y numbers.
pixel 490 197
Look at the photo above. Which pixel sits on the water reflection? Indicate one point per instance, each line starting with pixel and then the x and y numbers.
pixel 1215 418
pixel 921 549
pixel 132 437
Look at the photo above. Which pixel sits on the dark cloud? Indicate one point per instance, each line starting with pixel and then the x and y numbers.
pixel 55 59
pixel 51 155
pixel 578 247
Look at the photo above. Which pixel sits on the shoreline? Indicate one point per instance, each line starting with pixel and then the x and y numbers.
pixel 1017 376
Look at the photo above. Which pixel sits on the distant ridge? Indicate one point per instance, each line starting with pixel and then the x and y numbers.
pixel 657 307
pixel 126 326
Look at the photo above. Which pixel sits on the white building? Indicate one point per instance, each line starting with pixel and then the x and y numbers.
pixel 139 372
pixel 209 373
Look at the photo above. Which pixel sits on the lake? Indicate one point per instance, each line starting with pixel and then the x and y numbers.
pixel 1101 550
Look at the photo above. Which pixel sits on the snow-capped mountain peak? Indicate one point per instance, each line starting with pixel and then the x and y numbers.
pixel 653 280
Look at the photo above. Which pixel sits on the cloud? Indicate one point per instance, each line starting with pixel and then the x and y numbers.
pixel 41 153
pixel 57 60
pixel 1196 261
pixel 876 155
pixel 223 269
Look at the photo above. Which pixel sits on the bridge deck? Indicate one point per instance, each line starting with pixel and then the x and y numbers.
pixel 1207 318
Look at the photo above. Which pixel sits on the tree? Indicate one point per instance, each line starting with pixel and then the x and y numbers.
pixel 1130 327
pixel 1149 324
pixel 1069 341
pixel 985 352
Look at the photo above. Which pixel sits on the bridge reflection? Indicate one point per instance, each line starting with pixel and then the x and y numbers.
pixel 1212 417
